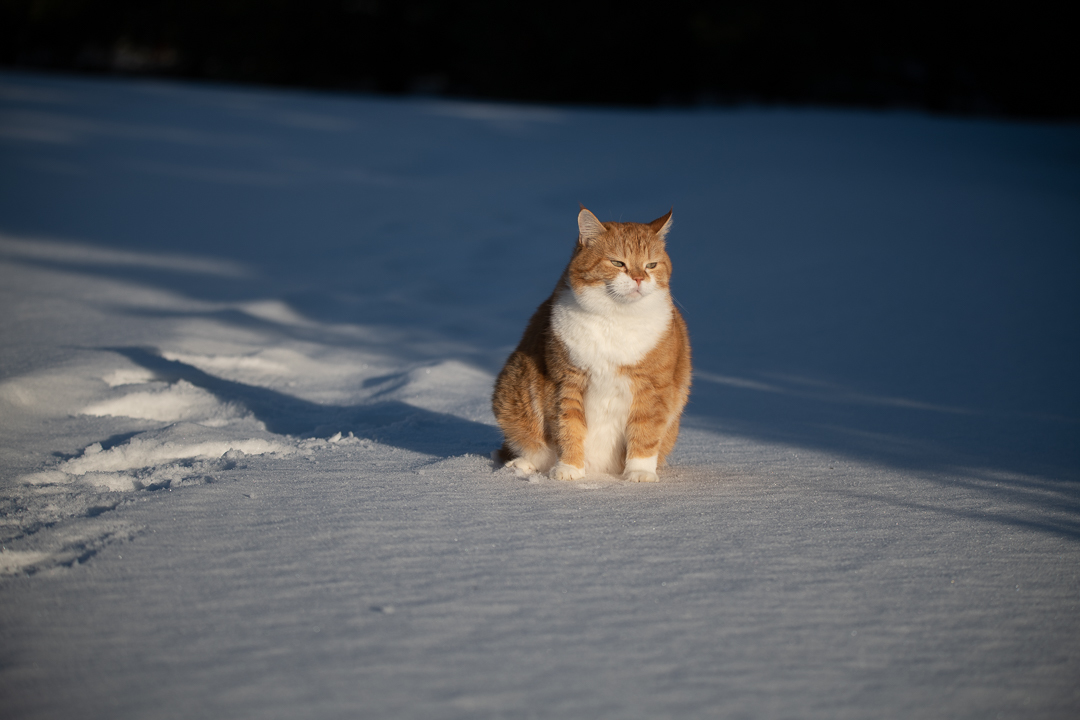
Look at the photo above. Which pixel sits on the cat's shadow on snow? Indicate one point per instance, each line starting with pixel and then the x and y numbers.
pixel 390 421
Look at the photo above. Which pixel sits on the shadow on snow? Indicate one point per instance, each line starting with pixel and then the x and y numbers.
pixel 389 422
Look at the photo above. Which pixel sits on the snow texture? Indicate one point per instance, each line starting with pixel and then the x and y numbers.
pixel 248 343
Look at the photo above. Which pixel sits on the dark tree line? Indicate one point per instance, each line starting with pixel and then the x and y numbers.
pixel 1014 59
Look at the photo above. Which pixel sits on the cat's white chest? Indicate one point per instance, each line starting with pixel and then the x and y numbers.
pixel 601 334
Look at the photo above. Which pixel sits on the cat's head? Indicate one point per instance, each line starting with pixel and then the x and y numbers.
pixel 628 259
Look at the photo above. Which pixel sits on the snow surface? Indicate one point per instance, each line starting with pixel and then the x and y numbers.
pixel 248 341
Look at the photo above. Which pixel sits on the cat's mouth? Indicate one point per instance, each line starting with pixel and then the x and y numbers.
pixel 630 294
pixel 622 290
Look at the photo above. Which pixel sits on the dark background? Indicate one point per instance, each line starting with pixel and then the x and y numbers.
pixel 1004 59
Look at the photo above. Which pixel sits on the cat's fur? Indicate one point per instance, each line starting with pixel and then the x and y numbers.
pixel 600 377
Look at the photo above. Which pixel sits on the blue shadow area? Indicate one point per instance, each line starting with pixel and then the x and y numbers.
pixel 390 422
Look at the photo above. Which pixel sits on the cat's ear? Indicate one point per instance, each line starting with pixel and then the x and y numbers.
pixel 588 227
pixel 661 225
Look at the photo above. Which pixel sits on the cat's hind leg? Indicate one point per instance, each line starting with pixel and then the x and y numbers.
pixel 518 407
pixel 536 463
pixel 505 457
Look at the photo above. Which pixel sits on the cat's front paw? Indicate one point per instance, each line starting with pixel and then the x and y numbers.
pixel 562 471
pixel 521 467
pixel 640 476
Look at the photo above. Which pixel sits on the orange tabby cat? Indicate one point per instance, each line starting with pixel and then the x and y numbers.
pixel 602 373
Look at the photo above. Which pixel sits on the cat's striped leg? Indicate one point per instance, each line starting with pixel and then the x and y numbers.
pixel 645 427
pixel 571 428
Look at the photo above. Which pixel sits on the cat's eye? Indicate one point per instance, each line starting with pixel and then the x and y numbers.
pixel 651 265
pixel 616 263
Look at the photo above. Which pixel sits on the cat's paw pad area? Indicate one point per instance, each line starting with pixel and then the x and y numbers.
pixel 521 467
pixel 640 476
pixel 562 471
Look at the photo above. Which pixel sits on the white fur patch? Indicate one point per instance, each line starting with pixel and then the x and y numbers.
pixel 521 467
pixel 641 469
pixel 607 407
pixel 647 464
pixel 603 334
pixel 562 471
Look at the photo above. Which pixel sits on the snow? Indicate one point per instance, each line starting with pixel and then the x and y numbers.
pixel 249 338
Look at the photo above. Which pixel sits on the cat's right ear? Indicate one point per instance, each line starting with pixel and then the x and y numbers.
pixel 589 227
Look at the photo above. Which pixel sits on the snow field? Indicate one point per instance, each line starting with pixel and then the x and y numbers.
pixel 248 341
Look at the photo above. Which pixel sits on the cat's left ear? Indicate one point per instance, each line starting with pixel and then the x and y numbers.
pixel 661 225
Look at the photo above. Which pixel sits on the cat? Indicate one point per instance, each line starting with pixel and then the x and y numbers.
pixel 602 373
